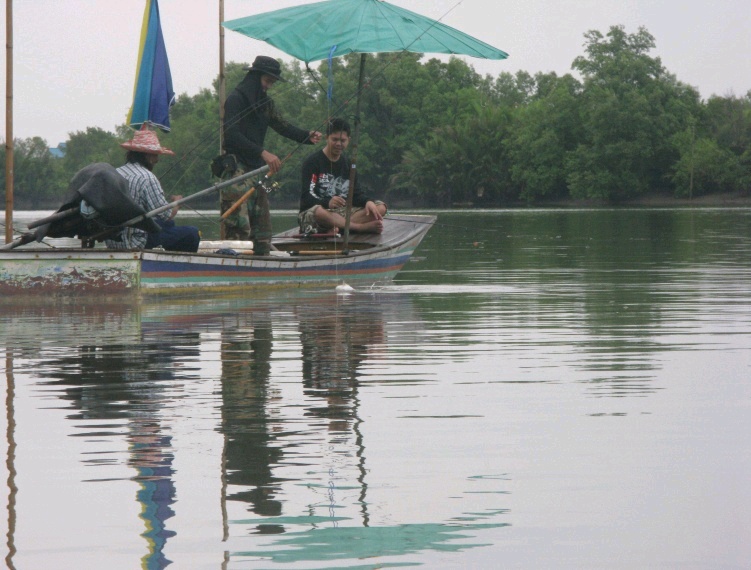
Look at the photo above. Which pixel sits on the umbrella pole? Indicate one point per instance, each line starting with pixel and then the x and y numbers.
pixel 353 165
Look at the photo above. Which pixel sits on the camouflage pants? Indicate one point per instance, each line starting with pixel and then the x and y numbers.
pixel 251 221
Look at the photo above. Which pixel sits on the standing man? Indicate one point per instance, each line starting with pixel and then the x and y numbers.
pixel 146 191
pixel 325 186
pixel 248 113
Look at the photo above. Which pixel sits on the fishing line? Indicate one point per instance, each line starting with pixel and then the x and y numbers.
pixel 382 70
pixel 213 137
pixel 21 233
pixel 454 226
pixel 13 227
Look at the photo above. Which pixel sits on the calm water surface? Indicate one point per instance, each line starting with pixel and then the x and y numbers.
pixel 537 389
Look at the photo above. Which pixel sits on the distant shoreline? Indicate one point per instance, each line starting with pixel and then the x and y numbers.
pixel 728 199
pixel 724 200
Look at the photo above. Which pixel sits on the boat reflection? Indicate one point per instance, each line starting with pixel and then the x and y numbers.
pixel 288 373
pixel 250 444
pixel 336 340
pixel 117 383
pixel 336 334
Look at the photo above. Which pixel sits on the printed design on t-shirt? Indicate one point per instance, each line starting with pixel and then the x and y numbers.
pixel 328 185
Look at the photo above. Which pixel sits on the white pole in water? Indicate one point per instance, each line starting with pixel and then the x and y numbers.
pixel 8 121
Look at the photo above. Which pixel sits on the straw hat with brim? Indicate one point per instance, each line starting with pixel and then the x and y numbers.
pixel 146 142
pixel 267 65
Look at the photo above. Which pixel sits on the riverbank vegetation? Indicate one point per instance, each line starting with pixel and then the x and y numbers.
pixel 619 128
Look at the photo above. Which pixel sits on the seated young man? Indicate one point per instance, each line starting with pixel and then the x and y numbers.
pixel 325 185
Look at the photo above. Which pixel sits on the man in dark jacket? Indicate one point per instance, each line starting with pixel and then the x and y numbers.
pixel 248 113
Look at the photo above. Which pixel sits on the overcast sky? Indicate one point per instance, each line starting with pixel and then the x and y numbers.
pixel 75 60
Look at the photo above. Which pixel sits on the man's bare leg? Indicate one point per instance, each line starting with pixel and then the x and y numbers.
pixel 360 222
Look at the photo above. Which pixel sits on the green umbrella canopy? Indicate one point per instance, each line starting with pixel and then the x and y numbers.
pixel 310 32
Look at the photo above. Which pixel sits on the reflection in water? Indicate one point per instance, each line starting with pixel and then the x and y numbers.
pixel 337 335
pixel 10 459
pixel 121 368
pixel 322 448
pixel 405 425
pixel 250 446
pixel 121 381
pixel 152 457
pixel 334 543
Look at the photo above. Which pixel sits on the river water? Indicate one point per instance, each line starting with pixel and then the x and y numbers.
pixel 536 389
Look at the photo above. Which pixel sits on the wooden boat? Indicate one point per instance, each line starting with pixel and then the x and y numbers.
pixel 40 270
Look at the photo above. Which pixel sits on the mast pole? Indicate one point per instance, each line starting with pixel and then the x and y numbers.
pixel 8 121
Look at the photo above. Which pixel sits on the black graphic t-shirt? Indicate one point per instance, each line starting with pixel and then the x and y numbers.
pixel 323 179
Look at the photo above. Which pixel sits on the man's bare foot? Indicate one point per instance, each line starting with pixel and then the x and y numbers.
pixel 374 227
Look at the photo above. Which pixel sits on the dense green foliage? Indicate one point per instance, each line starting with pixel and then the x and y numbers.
pixel 438 134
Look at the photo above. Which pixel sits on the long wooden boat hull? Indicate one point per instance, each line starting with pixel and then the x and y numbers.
pixel 372 259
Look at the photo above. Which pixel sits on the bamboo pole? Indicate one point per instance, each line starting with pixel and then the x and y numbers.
pixel 8 121
pixel 222 79
pixel 222 88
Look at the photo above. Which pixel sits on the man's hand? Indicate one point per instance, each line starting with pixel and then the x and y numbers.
pixel 273 161
pixel 337 202
pixel 372 210
pixel 176 207
pixel 315 137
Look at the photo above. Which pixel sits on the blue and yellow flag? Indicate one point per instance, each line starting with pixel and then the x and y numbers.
pixel 153 94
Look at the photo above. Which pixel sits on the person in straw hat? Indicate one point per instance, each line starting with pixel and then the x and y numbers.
pixel 145 189
pixel 248 113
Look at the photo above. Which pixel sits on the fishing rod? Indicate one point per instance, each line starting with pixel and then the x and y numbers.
pixel 171 205
pixel 411 220
pixel 265 184
pixel 219 167
pixel 32 236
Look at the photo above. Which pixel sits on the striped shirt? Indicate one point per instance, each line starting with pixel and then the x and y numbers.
pixel 146 191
